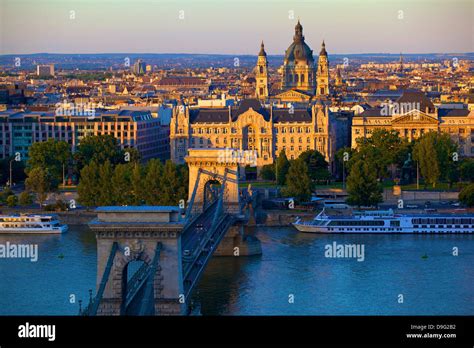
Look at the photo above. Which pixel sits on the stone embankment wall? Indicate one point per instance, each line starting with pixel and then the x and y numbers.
pixel 72 217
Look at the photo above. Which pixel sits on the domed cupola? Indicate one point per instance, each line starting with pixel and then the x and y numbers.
pixel 299 51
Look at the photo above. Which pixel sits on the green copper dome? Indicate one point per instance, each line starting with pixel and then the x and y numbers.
pixel 299 50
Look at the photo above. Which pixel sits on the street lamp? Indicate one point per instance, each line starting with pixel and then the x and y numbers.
pixel 343 174
pixel 11 177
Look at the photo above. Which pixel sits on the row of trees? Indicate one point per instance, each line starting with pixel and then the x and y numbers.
pixel 133 183
pixel 386 155
pixel 382 156
pixel 50 161
pixel 56 156
pixel 299 175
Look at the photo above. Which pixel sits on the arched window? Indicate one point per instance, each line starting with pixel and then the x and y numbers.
pixel 302 78
pixel 261 69
pixel 296 78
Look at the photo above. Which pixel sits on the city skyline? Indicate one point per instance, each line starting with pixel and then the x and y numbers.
pixel 202 27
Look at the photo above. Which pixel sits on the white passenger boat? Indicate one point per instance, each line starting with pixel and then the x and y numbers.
pixel 387 222
pixel 29 223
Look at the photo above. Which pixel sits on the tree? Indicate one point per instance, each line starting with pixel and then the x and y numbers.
pixel 466 196
pixel 131 154
pixel 170 185
pixel 121 183
pixel 40 182
pixel 317 165
pixel 467 169
pixel 88 188
pixel 25 198
pixel 138 186
pixel 268 172
pixel 342 157
pixel 362 185
pixel 298 181
pixel 183 174
pixel 105 189
pixel 152 180
pixel 98 148
pixel 437 158
pixel 383 150
pixel 51 155
pixel 5 194
pixel 282 167
pixel 12 201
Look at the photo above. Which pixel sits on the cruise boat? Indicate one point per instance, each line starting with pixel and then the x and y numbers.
pixel 387 222
pixel 28 223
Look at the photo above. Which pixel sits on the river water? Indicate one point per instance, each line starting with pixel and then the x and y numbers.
pixel 399 275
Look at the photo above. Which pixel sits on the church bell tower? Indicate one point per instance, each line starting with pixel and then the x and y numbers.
pixel 261 75
pixel 322 74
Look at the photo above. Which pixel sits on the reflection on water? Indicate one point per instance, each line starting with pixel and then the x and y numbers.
pixel 292 264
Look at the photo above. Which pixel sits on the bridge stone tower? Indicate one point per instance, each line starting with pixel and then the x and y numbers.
pixel 126 234
pixel 208 165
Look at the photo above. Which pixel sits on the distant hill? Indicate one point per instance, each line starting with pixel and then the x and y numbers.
pixel 180 60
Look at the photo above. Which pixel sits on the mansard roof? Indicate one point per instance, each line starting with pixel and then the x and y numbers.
pixel 417 97
pixel 453 112
pixel 246 104
pixel 298 115
pixel 220 115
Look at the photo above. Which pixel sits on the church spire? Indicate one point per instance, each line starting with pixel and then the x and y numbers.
pixel 323 50
pixel 262 50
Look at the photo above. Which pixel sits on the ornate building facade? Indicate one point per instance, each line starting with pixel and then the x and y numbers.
pixel 253 127
pixel 413 115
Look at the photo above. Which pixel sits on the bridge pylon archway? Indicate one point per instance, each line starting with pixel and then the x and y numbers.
pixel 207 165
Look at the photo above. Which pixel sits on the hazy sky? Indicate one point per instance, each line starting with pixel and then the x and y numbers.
pixel 235 26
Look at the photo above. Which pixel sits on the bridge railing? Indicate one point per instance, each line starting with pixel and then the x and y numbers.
pixel 198 265
pixel 146 307
pixel 135 283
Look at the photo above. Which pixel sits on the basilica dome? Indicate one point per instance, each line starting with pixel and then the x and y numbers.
pixel 299 51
